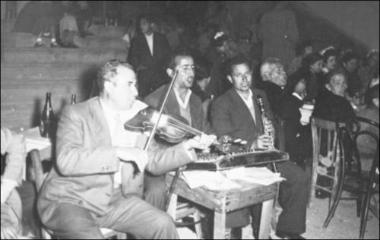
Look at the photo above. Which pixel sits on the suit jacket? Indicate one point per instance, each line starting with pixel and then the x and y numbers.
pixel 230 116
pixel 150 69
pixel 332 107
pixel 156 98
pixel 86 161
pixel 297 137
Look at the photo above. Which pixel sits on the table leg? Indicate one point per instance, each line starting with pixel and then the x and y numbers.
pixel 220 222
pixel 266 217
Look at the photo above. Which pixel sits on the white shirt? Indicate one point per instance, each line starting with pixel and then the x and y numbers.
pixel 184 103
pixel 119 136
pixel 249 103
pixel 149 39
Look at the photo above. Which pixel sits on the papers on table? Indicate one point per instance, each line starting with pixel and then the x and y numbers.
pixel 229 179
pixel 258 175
pixel 211 180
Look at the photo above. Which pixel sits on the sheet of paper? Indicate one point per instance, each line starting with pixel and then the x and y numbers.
pixel 258 175
pixel 211 180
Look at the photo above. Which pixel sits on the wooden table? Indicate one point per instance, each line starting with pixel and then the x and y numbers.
pixel 222 202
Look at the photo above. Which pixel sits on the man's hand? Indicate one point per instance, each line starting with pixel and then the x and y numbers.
pixel 202 142
pixel 262 142
pixel 135 155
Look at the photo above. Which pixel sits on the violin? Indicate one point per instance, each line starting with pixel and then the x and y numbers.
pixel 171 129
pixel 174 129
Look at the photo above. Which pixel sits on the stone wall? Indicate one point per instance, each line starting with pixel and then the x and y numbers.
pixel 28 73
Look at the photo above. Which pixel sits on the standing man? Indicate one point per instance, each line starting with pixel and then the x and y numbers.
pixel 97 181
pixel 181 103
pixel 279 33
pixel 148 55
pixel 236 113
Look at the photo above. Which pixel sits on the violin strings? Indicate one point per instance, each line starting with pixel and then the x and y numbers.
pixel 183 126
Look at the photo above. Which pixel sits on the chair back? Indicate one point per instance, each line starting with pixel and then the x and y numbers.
pixel 327 153
pixel 366 139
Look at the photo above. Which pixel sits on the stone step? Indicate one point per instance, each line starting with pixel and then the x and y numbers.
pixel 109 31
pixel 72 55
pixel 21 40
pixel 47 71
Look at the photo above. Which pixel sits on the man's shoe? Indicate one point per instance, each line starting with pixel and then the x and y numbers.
pixel 285 235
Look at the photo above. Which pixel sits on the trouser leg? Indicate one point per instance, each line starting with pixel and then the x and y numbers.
pixel 155 191
pixel 70 221
pixel 134 215
pixel 292 198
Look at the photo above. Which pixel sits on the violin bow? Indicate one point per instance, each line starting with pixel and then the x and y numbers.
pixel 174 181
pixel 161 110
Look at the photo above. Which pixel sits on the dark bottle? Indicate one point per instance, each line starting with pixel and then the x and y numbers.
pixel 47 118
pixel 73 99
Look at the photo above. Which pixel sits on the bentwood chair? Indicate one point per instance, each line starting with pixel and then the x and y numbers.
pixel 37 176
pixel 328 165
pixel 366 138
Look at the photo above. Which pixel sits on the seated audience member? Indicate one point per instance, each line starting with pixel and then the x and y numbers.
pixel 297 134
pixel 236 113
pixel 98 179
pixel 13 145
pixel 274 82
pixel 329 60
pixel 350 63
pixel 304 49
pixel 331 103
pixel 371 112
pixel 370 69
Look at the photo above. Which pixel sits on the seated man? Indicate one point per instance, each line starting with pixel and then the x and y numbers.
pixel 11 207
pixel 97 181
pixel 331 103
pixel 236 113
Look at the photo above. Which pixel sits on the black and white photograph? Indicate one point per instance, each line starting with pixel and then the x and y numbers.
pixel 190 120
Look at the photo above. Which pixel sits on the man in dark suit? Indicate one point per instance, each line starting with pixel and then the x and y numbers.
pixel 149 54
pixel 331 103
pixel 236 113
pixel 98 177
pixel 181 103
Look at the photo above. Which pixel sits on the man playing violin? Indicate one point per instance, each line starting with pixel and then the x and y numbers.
pixel 181 103
pixel 236 113
pixel 98 178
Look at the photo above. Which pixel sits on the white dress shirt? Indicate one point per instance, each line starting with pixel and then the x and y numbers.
pixel 149 39
pixel 249 103
pixel 121 137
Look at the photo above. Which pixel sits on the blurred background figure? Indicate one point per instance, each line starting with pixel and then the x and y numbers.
pixel 279 33
pixel 303 50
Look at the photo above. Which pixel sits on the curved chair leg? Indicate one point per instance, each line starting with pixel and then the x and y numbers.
pixel 364 215
pixel 337 196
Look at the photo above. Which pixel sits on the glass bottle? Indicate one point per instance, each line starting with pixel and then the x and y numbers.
pixel 267 123
pixel 47 118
